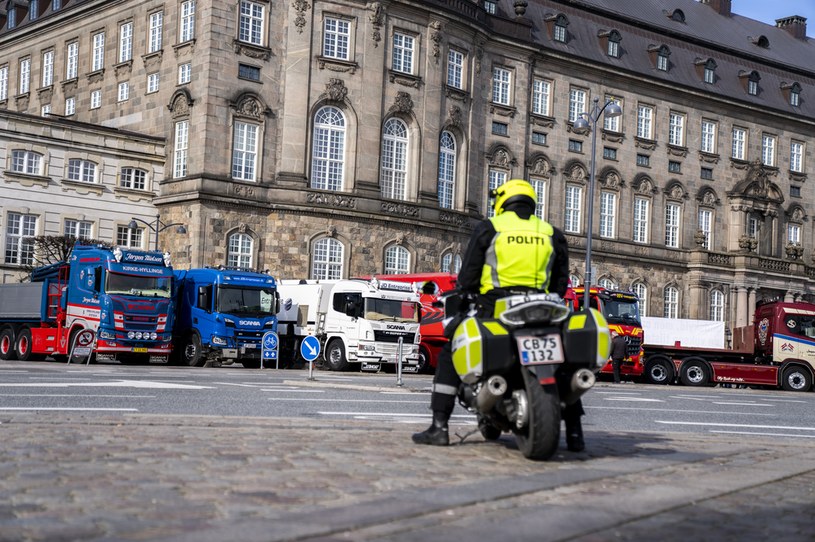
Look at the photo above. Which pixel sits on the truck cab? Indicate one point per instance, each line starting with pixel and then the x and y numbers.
pixel 358 321
pixel 222 315
pixel 621 311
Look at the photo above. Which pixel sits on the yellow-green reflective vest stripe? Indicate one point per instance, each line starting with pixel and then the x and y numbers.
pixel 521 253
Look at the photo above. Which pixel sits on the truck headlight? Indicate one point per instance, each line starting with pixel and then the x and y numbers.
pixel 131 334
pixel 139 335
pixel 154 335
pixel 220 341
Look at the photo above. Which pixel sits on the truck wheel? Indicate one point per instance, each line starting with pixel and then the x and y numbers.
pixel 796 379
pixel 7 345
pixel 22 346
pixel 335 356
pixel 659 370
pixel 191 351
pixel 694 372
pixel 424 361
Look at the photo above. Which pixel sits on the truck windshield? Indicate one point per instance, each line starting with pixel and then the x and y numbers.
pixel 145 286
pixel 392 310
pixel 621 312
pixel 246 301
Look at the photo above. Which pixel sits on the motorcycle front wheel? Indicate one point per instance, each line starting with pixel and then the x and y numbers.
pixel 539 438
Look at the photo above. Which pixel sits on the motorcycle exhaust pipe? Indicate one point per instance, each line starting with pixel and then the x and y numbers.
pixel 490 392
pixel 582 381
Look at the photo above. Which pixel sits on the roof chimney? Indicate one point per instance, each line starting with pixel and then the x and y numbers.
pixel 795 25
pixel 722 7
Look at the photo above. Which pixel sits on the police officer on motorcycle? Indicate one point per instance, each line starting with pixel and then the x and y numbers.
pixel 511 252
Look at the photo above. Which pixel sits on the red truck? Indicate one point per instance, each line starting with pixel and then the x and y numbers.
pixel 621 311
pixel 430 287
pixel 777 350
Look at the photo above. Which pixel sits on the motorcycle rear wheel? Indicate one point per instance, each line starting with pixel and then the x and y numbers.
pixel 539 439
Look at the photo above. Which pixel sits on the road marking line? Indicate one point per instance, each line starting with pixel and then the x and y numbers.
pixel 147 384
pixel 378 401
pixel 738 403
pixel 633 399
pixel 763 434
pixel 751 426
pixel 34 409
pixel 382 414
pixel 292 390
pixel 83 396
pixel 240 385
pixel 640 409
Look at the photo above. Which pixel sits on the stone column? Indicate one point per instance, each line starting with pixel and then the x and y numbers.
pixel 741 305
pixel 751 304
pixel 789 297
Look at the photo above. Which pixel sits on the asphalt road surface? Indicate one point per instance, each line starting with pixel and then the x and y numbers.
pixel 109 452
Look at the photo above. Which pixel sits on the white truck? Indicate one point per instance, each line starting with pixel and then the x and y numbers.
pixel 356 321
pixel 683 332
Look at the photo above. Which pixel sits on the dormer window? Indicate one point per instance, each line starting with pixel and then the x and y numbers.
pixel 33 10
pixel 761 41
pixel 750 81
pixel 706 70
pixel 557 27
pixel 659 56
pixel 677 15
pixel 11 22
pixel 792 92
pixel 613 40
pixel 490 7
pixel 662 62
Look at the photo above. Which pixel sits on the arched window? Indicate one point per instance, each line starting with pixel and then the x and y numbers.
pixel 671 302
pixel 717 305
pixel 574 280
pixel 328 156
pixel 642 293
pixel 608 284
pixel 450 263
pixel 239 251
pixel 394 160
pixel 397 260
pixel 447 170
pixel 327 259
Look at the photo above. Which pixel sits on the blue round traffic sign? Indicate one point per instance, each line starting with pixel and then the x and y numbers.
pixel 310 348
pixel 270 344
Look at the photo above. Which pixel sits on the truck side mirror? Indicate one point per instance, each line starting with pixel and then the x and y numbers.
pixel 97 279
pixel 204 296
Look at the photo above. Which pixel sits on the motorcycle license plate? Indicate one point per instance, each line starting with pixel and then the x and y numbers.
pixel 540 350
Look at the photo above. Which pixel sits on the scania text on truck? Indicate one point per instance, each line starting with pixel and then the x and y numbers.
pixel 777 350
pixel 222 315
pixel 125 296
pixel 430 287
pixel 621 310
pixel 356 321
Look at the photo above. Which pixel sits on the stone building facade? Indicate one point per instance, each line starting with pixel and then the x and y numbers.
pixel 328 139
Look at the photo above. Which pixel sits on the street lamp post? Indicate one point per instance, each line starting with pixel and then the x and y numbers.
pixel 157 226
pixel 581 126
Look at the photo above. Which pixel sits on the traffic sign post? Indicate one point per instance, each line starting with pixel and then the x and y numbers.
pixel 310 349
pixel 271 345
pixel 82 347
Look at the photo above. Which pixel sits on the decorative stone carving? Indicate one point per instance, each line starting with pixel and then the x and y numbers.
pixel 454 116
pixel 577 174
pixel 402 103
pixel 794 251
pixel 501 158
pixel 540 167
pixel 645 186
pixel 436 29
pixel 611 180
pixel 335 90
pixel 249 106
pixel 180 104
pixel 747 243
pixel 300 6
pixel 376 18
pixel 699 238
pixel 520 7
pixel 331 231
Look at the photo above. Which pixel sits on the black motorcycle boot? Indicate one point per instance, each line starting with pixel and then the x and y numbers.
pixel 437 434
pixel 574 434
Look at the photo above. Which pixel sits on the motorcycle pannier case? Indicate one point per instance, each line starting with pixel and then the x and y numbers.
pixel 481 346
pixel 586 340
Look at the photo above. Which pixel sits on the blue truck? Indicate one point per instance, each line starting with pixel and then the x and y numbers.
pixel 222 315
pixel 124 296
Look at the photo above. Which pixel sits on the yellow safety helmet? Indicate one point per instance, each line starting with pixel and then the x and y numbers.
pixel 510 192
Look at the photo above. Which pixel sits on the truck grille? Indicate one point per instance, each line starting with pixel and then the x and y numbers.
pixel 634 344
pixel 386 336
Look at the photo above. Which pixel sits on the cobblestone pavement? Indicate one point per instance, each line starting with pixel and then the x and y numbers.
pixel 139 477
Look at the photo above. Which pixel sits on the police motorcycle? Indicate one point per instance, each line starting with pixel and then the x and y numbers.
pixel 519 368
